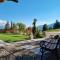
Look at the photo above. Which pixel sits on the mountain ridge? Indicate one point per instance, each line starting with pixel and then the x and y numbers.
pixel 49 25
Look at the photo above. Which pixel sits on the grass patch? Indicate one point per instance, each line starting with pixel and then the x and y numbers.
pixel 53 30
pixel 12 37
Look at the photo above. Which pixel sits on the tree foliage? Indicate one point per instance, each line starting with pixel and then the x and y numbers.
pixel 34 28
pixel 21 27
pixel 14 26
pixel 38 33
pixel 45 27
pixel 11 25
pixel 9 0
pixel 56 25
pixel 7 26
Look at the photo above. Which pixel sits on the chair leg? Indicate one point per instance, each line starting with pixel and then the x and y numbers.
pixel 42 56
pixel 56 54
pixel 41 50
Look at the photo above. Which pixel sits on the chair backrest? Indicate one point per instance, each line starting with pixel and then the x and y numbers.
pixel 58 42
pixel 56 36
pixel 52 44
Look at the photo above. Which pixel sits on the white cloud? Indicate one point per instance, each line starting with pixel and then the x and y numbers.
pixel 2 22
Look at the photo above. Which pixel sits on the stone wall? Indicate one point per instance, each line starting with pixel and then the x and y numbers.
pixel 52 33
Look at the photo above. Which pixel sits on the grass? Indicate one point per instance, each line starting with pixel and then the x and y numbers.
pixel 12 37
pixel 53 30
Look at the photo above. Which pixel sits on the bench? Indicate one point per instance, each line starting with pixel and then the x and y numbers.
pixel 49 45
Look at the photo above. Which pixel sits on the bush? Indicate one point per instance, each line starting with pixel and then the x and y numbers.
pixel 39 35
pixel 44 34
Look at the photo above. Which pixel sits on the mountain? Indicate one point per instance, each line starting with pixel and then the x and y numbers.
pixel 50 25
pixel 41 26
pixel 1 27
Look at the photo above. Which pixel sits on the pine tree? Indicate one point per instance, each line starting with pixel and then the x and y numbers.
pixel 45 27
pixel 7 26
pixel 34 28
pixel 56 25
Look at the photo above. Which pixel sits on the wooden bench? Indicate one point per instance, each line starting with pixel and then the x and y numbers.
pixel 49 45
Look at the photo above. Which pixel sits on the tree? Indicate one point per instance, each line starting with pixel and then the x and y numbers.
pixel 9 0
pixel 13 0
pixel 21 27
pixel 34 28
pixel 7 26
pixel 37 32
pixel 50 28
pixel 14 26
pixel 11 25
pixel 45 27
pixel 56 25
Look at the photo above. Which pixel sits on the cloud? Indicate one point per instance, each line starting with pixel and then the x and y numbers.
pixel 2 22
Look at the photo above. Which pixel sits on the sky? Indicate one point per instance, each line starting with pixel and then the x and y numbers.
pixel 45 11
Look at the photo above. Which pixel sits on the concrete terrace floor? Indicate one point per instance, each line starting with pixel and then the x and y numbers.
pixel 26 50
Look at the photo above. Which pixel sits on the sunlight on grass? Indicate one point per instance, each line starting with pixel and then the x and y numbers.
pixel 12 37
pixel 54 30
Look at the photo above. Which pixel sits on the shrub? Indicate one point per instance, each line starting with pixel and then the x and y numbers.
pixel 43 33
pixel 39 35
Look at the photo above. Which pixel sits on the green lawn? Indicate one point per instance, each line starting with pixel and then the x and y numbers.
pixel 12 37
pixel 54 30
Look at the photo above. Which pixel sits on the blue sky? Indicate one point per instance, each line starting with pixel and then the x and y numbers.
pixel 45 11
